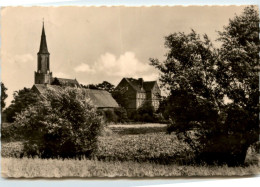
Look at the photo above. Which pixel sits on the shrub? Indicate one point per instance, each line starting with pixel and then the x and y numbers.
pixel 145 113
pixel 10 133
pixel 63 123
pixel 121 115
pixel 110 116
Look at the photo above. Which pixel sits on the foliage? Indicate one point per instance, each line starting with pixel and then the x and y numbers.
pixel 12 149
pixel 3 95
pixel 110 116
pixel 145 113
pixel 22 99
pixel 130 129
pixel 121 115
pixel 10 133
pixel 106 86
pixel 61 124
pixel 153 147
pixel 200 78
pixel 101 86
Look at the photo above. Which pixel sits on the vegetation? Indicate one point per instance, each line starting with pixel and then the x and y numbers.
pixel 201 78
pixel 101 86
pixel 29 168
pixel 131 129
pixel 3 96
pixel 61 124
pixel 22 99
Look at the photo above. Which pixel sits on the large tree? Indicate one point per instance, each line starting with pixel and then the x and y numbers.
pixel 3 95
pixel 201 79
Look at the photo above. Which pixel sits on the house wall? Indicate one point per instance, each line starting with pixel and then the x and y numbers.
pixel 155 96
pixel 129 93
pixel 140 99
pixel 137 98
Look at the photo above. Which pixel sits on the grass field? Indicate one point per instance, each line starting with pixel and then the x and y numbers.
pixel 29 168
pixel 125 152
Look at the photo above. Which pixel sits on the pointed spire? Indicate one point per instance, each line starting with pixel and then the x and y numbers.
pixel 43 45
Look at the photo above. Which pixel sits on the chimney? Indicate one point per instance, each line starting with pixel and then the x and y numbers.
pixel 141 82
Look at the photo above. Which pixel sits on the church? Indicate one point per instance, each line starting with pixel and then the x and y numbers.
pixel 43 79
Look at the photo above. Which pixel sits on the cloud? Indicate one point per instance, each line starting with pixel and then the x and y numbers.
pixel 108 64
pixel 83 68
pixel 60 75
pixel 17 59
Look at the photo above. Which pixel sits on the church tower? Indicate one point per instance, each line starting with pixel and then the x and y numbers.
pixel 43 74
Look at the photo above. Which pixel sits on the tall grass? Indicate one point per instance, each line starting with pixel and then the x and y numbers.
pixel 29 168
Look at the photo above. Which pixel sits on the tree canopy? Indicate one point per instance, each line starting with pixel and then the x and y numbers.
pixel 22 99
pixel 3 95
pixel 200 78
pixel 101 86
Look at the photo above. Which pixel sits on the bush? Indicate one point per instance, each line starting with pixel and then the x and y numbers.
pixel 121 115
pixel 110 116
pixel 145 113
pixel 10 133
pixel 61 124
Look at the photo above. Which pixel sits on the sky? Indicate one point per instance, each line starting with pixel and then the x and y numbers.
pixel 93 44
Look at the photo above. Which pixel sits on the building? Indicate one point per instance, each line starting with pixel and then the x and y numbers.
pixel 43 79
pixel 138 91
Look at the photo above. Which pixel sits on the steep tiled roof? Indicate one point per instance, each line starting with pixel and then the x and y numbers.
pixel 65 82
pixel 43 45
pixel 136 84
pixel 140 85
pixel 99 98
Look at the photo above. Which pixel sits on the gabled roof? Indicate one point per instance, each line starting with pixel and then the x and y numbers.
pixel 148 85
pixel 135 84
pixel 65 82
pixel 140 85
pixel 99 98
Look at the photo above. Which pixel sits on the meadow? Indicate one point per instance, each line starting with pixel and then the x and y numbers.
pixel 137 150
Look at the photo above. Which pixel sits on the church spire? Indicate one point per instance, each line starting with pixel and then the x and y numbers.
pixel 43 74
pixel 43 45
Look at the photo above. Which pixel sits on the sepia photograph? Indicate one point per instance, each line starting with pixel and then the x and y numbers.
pixel 130 92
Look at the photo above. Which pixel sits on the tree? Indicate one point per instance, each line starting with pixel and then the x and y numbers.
pixel 22 99
pixel 101 86
pixel 106 86
pixel 63 123
pixel 3 95
pixel 199 77
pixel 238 75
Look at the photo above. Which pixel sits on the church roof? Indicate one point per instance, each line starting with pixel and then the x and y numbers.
pixel 99 98
pixel 65 82
pixel 43 45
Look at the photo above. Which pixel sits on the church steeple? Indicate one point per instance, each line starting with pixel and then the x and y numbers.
pixel 43 74
pixel 43 45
